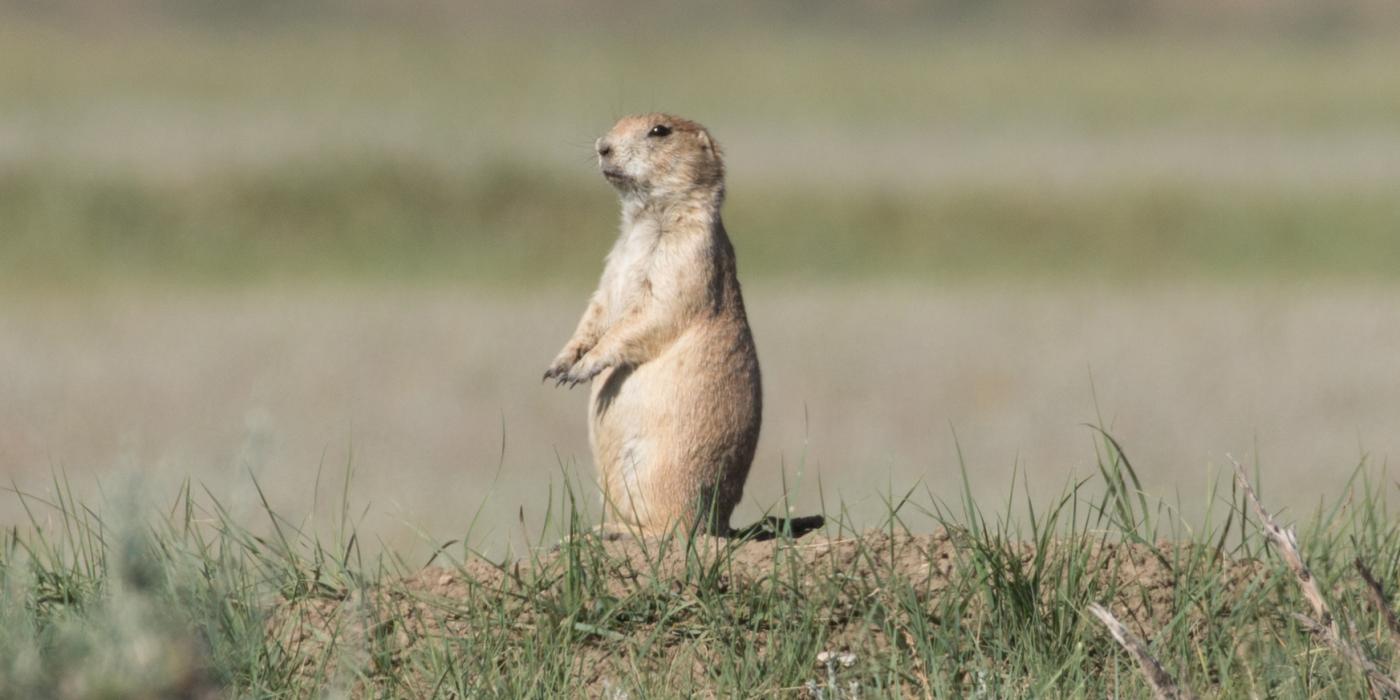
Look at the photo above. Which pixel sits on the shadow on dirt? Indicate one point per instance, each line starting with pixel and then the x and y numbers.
pixel 773 527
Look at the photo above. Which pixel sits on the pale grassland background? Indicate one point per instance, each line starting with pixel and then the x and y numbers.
pixel 269 239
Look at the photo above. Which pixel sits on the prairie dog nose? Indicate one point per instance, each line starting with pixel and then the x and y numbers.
pixel 604 148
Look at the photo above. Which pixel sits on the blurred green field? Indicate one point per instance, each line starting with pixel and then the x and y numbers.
pixel 147 152
pixel 390 221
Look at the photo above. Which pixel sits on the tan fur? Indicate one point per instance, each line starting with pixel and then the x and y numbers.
pixel 676 400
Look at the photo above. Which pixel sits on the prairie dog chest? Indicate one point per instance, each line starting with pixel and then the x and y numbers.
pixel 627 276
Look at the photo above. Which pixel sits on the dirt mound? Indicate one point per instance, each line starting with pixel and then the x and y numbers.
pixel 672 606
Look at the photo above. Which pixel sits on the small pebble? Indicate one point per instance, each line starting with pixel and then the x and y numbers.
pixel 845 659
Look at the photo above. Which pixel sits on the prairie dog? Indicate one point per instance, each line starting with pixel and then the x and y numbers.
pixel 676 400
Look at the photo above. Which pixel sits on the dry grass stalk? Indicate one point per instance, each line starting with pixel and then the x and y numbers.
pixel 1286 542
pixel 1325 626
pixel 918 666
pixel 1383 685
pixel 1377 596
pixel 1163 685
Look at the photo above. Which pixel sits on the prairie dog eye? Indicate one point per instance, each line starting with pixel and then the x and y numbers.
pixel 659 131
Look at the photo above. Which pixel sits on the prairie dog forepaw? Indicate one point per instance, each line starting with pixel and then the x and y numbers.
pixel 585 369
pixel 561 364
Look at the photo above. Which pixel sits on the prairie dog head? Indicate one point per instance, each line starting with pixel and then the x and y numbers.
pixel 660 157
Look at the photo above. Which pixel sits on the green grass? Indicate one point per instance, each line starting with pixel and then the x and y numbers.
pixel 120 601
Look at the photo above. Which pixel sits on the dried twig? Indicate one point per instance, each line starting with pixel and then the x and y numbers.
pixel 1163 685
pixel 1324 627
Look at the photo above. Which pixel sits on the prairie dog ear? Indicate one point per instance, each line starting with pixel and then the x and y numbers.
pixel 707 142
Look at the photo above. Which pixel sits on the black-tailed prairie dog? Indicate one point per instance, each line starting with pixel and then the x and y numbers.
pixel 676 400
